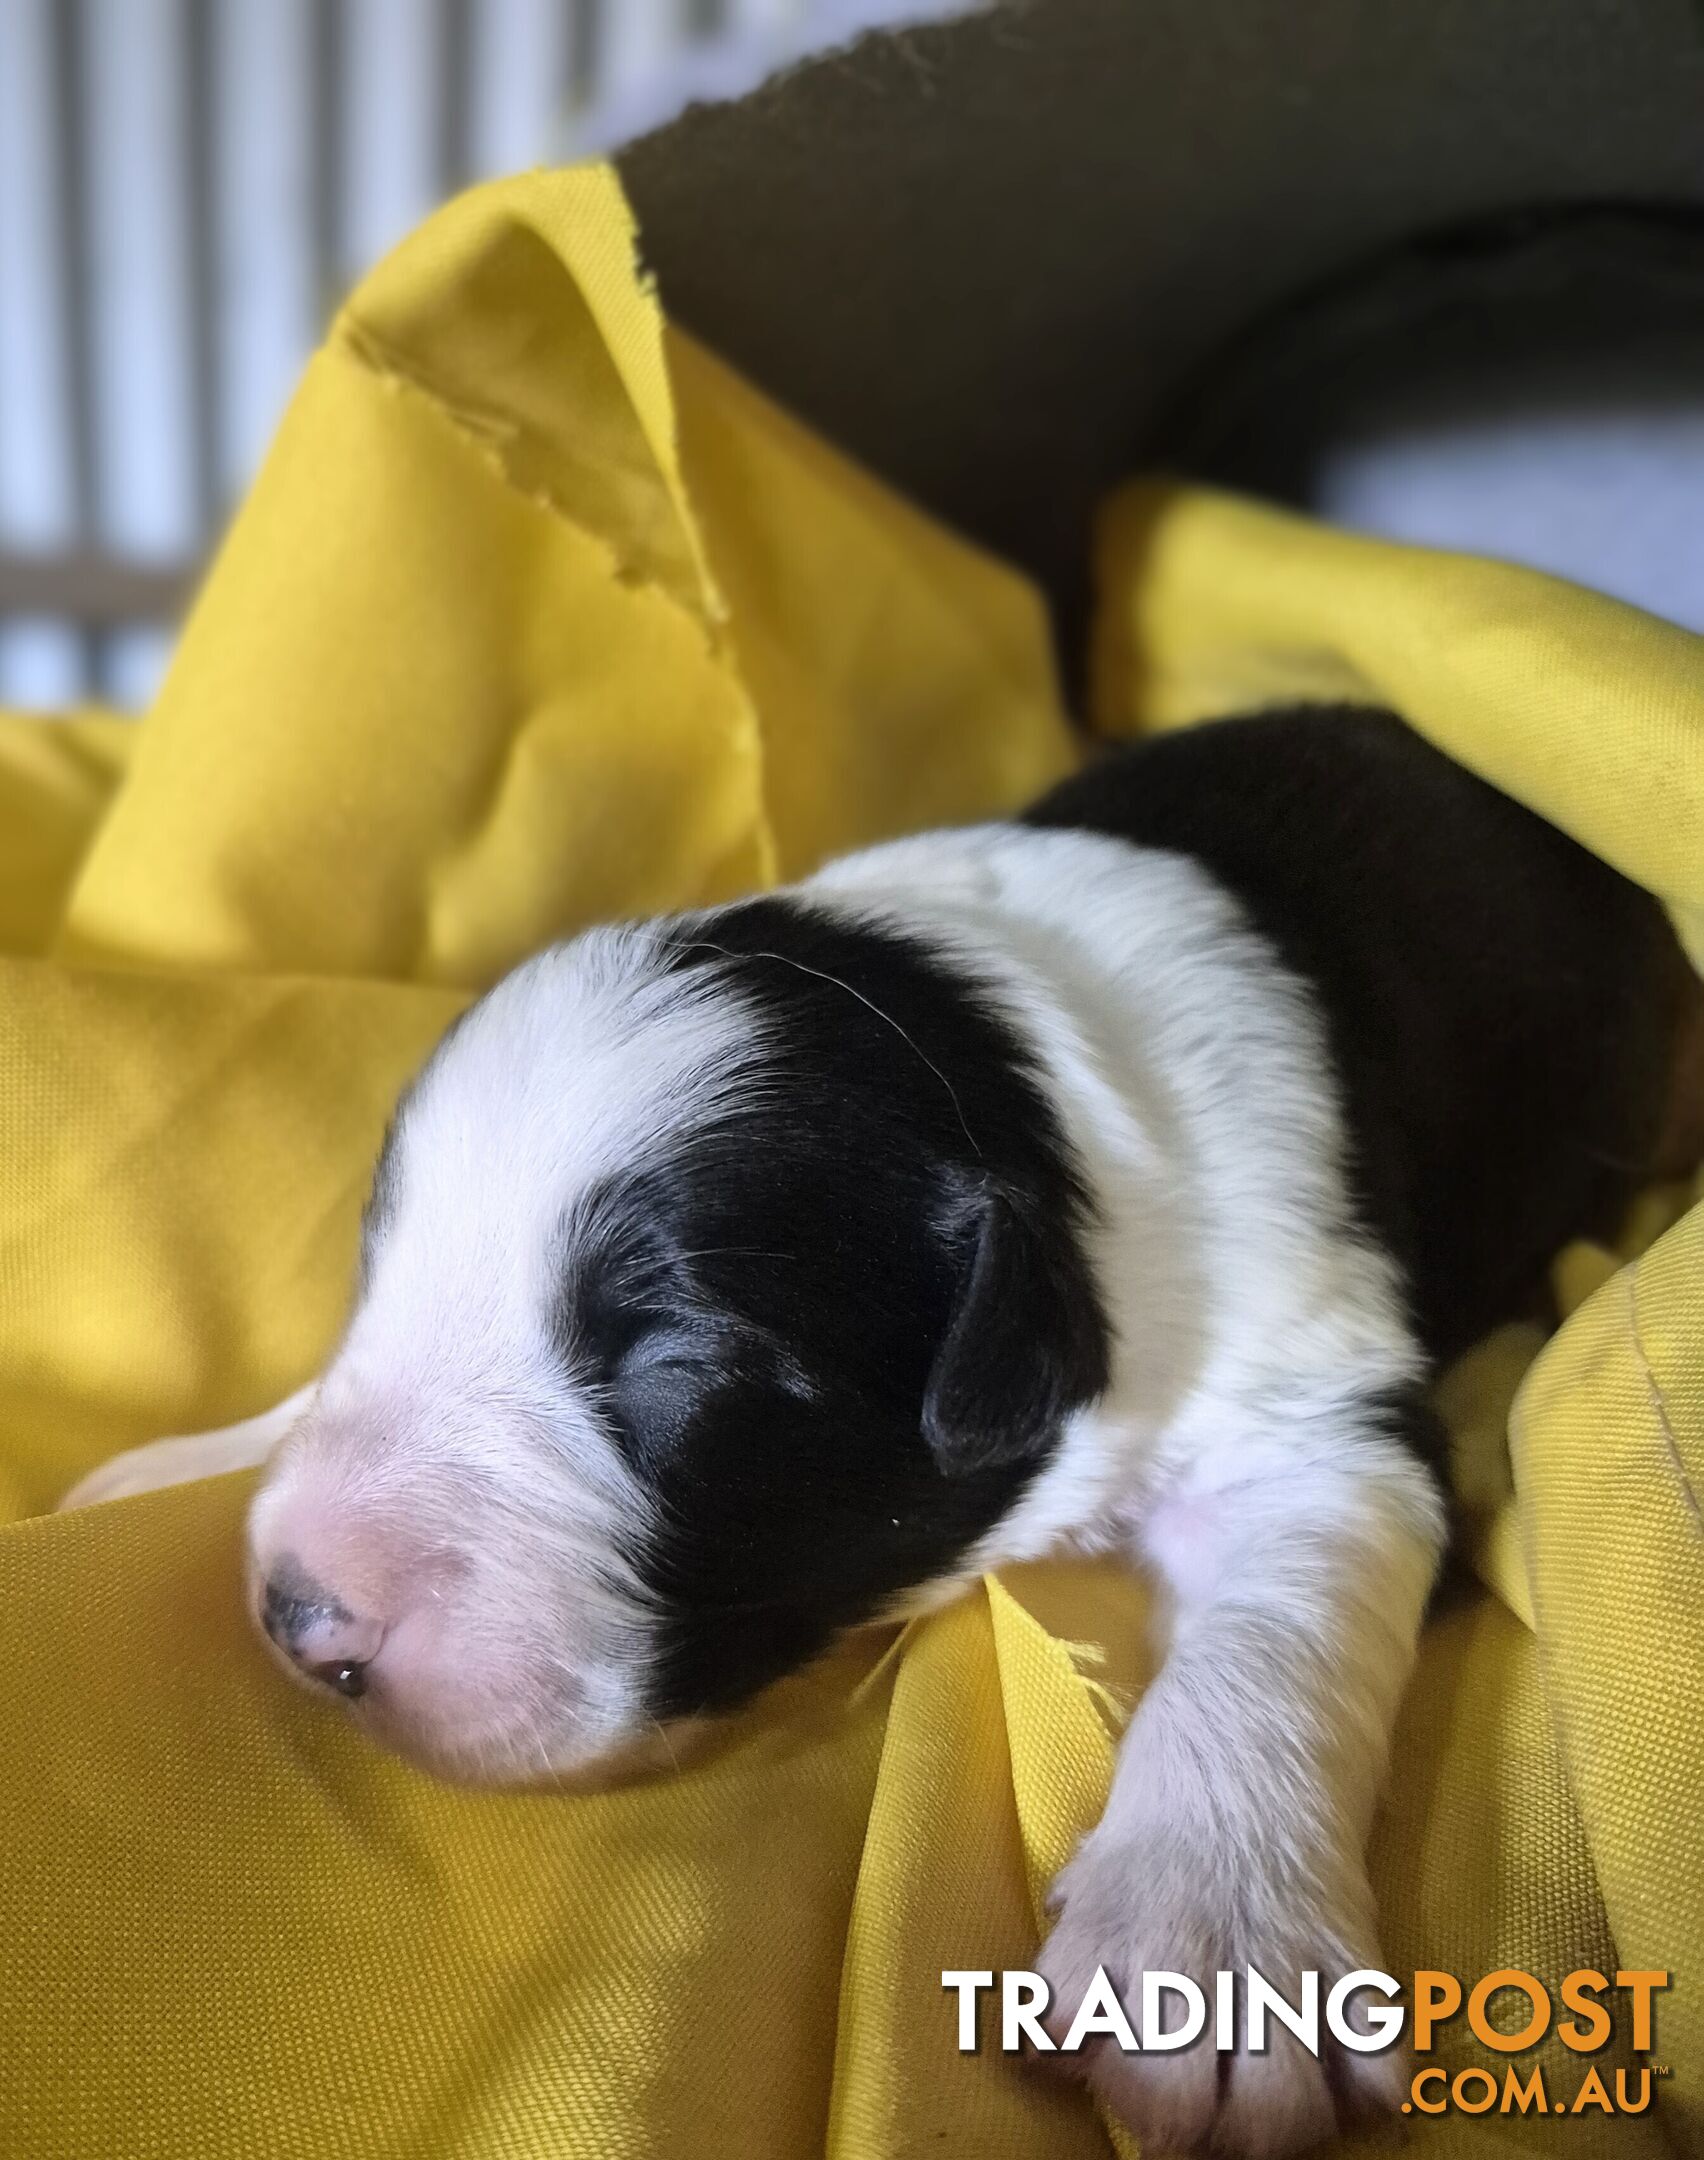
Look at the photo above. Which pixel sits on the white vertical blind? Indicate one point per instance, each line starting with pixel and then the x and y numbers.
pixel 186 186
pixel 37 483
pixel 139 296
pixel 636 43
pixel 390 72
pixel 765 16
pixel 266 303
pixel 140 304
pixel 520 58
pixel 41 662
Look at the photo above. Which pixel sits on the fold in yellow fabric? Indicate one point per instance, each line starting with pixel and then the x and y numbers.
pixel 537 616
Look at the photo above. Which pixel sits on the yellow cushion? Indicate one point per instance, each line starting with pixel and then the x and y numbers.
pixel 1545 1799
pixel 538 615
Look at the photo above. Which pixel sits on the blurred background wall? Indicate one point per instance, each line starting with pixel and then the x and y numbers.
pixel 188 187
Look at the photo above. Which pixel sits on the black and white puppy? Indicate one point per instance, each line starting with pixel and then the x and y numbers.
pixel 1112 1179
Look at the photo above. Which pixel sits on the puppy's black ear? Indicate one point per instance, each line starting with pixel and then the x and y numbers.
pixel 1027 1341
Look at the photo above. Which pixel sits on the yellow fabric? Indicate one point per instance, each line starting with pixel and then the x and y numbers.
pixel 1546 1798
pixel 537 615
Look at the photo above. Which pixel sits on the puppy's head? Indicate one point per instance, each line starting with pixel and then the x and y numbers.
pixel 723 1284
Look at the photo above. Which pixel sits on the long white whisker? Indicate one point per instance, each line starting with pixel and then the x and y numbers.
pixel 822 975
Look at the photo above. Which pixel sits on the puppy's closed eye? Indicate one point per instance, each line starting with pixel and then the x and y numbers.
pixel 636 1323
pixel 671 1369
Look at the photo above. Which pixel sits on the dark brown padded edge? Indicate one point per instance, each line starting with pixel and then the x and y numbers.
pixel 982 254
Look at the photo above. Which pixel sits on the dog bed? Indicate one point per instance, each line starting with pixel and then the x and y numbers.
pixel 537 615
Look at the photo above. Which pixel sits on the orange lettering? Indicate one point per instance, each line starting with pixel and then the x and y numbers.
pixel 1633 2107
pixel 1535 2026
pixel 1437 1995
pixel 1427 2107
pixel 1642 1986
pixel 1518 2097
pixel 1578 1993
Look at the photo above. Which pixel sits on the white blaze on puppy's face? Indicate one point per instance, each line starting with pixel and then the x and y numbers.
pixel 454 1563
pixel 446 1534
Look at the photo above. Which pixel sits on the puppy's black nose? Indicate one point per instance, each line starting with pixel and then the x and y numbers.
pixel 290 1607
pixel 317 1632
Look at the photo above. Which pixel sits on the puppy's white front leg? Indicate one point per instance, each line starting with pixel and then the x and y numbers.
pixel 1299 1564
pixel 198 1455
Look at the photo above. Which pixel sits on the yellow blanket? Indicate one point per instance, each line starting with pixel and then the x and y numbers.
pixel 538 615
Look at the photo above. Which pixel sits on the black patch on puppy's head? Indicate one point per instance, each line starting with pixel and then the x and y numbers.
pixel 836 1328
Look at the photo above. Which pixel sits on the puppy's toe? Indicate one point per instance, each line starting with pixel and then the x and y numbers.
pixel 1273 2104
pixel 1170 2101
pixel 1129 1909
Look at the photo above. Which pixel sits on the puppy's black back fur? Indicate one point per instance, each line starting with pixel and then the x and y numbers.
pixel 1501 1005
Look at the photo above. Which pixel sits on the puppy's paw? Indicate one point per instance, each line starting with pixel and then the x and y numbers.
pixel 145 1469
pixel 1154 1905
